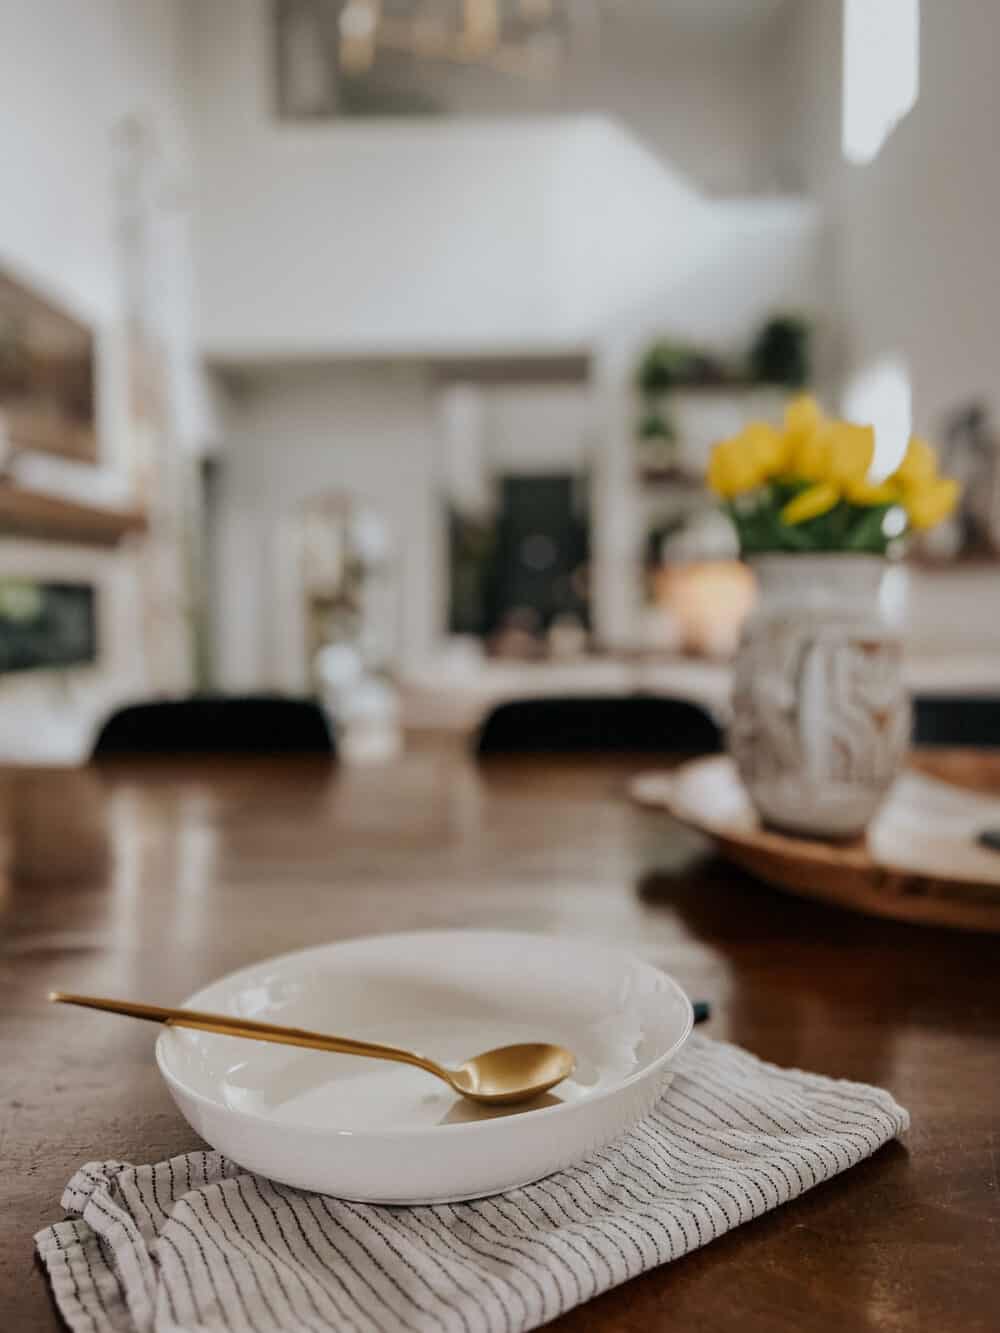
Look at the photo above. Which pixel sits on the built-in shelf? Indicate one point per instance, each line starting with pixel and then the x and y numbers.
pixel 51 518
pixel 732 385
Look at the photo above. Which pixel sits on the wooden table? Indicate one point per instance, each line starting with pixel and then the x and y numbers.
pixel 215 864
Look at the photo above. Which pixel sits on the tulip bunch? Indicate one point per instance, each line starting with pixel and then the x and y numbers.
pixel 806 486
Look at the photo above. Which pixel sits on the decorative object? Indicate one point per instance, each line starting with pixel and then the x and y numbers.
pixel 46 375
pixel 657 443
pixel 343 578
pixel 971 450
pixel 921 860
pixel 781 353
pixel 820 715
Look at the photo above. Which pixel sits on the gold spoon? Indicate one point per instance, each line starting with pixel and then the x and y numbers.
pixel 506 1075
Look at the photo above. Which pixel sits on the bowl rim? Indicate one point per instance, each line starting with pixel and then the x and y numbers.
pixel 174 1082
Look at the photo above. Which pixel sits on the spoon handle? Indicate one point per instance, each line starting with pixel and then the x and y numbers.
pixel 229 1025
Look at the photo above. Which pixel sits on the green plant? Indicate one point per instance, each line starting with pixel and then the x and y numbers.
pixel 781 352
pixel 664 365
pixel 654 425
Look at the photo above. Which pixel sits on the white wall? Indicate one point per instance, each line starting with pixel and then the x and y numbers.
pixel 539 428
pixel 413 237
pixel 697 84
pixel 297 434
pixel 70 73
pixel 354 240
pixel 621 225
pixel 917 228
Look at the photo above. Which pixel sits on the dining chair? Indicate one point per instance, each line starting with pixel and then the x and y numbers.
pixel 956 719
pixel 217 724
pixel 635 722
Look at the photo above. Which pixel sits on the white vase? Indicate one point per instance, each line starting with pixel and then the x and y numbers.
pixel 821 719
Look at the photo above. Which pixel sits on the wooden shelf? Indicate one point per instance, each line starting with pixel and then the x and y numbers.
pixel 671 478
pixel 51 518
pixel 51 434
pixel 719 386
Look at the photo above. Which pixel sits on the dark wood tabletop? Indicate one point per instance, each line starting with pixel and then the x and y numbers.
pixel 148 880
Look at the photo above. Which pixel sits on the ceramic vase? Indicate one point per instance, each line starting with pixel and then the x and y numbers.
pixel 821 718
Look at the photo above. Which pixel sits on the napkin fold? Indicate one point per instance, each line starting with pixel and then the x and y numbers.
pixel 198 1245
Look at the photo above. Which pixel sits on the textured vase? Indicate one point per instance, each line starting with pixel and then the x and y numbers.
pixel 821 719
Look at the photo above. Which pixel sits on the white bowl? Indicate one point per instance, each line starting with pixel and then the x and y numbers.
pixel 388 1133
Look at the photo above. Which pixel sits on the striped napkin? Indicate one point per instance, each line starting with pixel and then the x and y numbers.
pixel 196 1244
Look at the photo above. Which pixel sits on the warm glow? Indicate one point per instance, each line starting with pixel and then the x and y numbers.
pixel 708 600
pixel 358 32
pixel 881 73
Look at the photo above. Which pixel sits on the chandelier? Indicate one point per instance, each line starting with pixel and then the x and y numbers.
pixel 517 37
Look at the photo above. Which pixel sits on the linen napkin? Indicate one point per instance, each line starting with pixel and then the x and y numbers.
pixel 196 1244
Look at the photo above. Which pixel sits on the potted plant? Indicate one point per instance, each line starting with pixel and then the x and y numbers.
pixel 657 443
pixel 664 365
pixel 820 715
pixel 781 352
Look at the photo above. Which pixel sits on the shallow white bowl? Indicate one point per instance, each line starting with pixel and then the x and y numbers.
pixel 388 1133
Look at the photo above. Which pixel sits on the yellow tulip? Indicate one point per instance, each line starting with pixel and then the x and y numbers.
pixel 768 446
pixel 919 464
pixel 810 455
pixel 803 416
pixel 871 492
pixel 734 468
pixel 852 449
pixel 810 503
pixel 931 502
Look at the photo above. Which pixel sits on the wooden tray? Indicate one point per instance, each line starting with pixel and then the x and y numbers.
pixel 918 862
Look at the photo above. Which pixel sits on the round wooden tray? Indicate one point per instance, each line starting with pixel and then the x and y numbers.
pixel 918 862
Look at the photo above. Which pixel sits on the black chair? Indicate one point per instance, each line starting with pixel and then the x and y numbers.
pixel 953 719
pixel 217 724
pixel 637 722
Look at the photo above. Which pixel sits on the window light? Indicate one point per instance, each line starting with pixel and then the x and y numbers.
pixel 881 72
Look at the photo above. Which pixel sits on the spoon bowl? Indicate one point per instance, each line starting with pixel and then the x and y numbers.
pixel 511 1074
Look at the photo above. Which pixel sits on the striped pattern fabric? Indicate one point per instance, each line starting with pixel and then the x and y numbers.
pixel 197 1245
